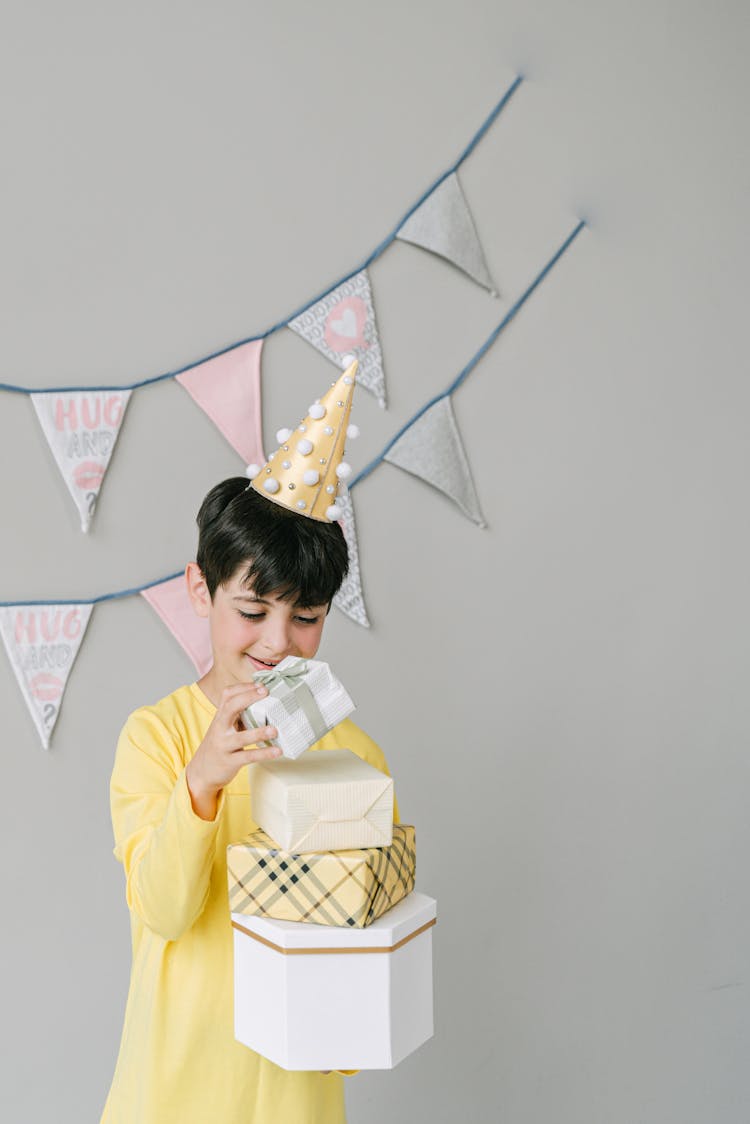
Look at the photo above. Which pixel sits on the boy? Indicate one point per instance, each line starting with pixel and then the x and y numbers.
pixel 264 577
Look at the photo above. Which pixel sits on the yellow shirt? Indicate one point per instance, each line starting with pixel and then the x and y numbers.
pixel 179 1062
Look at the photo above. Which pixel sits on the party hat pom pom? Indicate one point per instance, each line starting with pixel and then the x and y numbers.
pixel 304 446
pixel 317 411
pixel 352 431
pixel 310 477
pixel 333 512
pixel 344 470
pixel 271 485
pixel 252 470
pixel 283 435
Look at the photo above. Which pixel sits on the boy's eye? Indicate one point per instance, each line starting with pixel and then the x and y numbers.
pixel 307 620
pixel 251 616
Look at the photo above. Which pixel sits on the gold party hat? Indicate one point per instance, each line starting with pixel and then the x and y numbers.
pixel 305 471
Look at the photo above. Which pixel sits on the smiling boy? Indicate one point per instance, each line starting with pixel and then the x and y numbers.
pixel 264 578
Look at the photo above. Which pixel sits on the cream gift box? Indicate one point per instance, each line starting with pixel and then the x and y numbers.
pixel 350 888
pixel 329 800
pixel 314 997
pixel 305 700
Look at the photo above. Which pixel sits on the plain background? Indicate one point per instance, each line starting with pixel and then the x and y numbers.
pixel 563 696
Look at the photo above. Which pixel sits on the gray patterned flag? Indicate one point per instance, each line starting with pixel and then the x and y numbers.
pixel 444 226
pixel 431 448
pixel 349 598
pixel 341 326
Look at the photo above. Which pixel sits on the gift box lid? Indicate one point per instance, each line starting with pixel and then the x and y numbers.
pixel 410 916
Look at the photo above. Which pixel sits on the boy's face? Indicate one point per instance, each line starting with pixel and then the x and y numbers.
pixel 249 634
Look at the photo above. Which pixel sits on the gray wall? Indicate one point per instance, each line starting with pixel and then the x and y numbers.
pixel 563 696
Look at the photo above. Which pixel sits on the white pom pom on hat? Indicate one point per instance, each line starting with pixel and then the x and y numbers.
pixel 252 470
pixel 283 435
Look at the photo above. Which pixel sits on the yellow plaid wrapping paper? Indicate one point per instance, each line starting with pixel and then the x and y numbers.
pixel 346 888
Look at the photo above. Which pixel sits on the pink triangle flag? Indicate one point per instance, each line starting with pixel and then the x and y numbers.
pixel 171 603
pixel 42 642
pixel 227 388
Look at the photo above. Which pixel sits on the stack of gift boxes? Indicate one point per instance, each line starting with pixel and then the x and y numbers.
pixel 332 944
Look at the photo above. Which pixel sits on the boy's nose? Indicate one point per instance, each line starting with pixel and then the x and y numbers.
pixel 276 639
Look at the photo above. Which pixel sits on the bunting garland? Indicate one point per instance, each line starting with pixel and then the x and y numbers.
pixel 339 322
pixel 81 426
pixel 42 639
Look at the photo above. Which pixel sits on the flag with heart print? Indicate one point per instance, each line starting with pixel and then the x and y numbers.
pixel 42 642
pixel 82 428
pixel 342 325
pixel 443 225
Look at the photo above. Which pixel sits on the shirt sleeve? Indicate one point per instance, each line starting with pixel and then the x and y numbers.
pixel 166 849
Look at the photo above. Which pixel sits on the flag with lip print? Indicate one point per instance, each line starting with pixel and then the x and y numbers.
pixel 82 428
pixel 42 642
pixel 342 326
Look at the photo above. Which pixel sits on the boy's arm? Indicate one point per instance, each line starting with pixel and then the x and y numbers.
pixel 166 849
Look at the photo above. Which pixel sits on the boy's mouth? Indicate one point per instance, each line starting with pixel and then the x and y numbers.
pixel 261 665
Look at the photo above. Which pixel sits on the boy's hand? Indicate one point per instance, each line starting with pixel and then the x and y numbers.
pixel 226 748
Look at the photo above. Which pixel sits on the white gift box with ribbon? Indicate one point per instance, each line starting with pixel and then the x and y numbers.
pixel 305 700
pixel 320 997
pixel 329 800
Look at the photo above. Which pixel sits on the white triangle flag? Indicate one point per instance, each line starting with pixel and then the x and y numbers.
pixel 444 226
pixel 81 428
pixel 342 325
pixel 42 642
pixel 431 448
pixel 349 598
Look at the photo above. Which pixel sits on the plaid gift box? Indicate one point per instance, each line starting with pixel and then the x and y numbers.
pixel 346 888
pixel 305 700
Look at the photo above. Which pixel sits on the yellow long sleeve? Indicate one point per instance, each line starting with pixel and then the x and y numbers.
pixel 179 1062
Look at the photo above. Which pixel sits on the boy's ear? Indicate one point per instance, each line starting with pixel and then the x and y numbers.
pixel 197 589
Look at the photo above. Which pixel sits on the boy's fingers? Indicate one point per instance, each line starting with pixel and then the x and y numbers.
pixel 236 699
pixel 245 738
pixel 262 754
